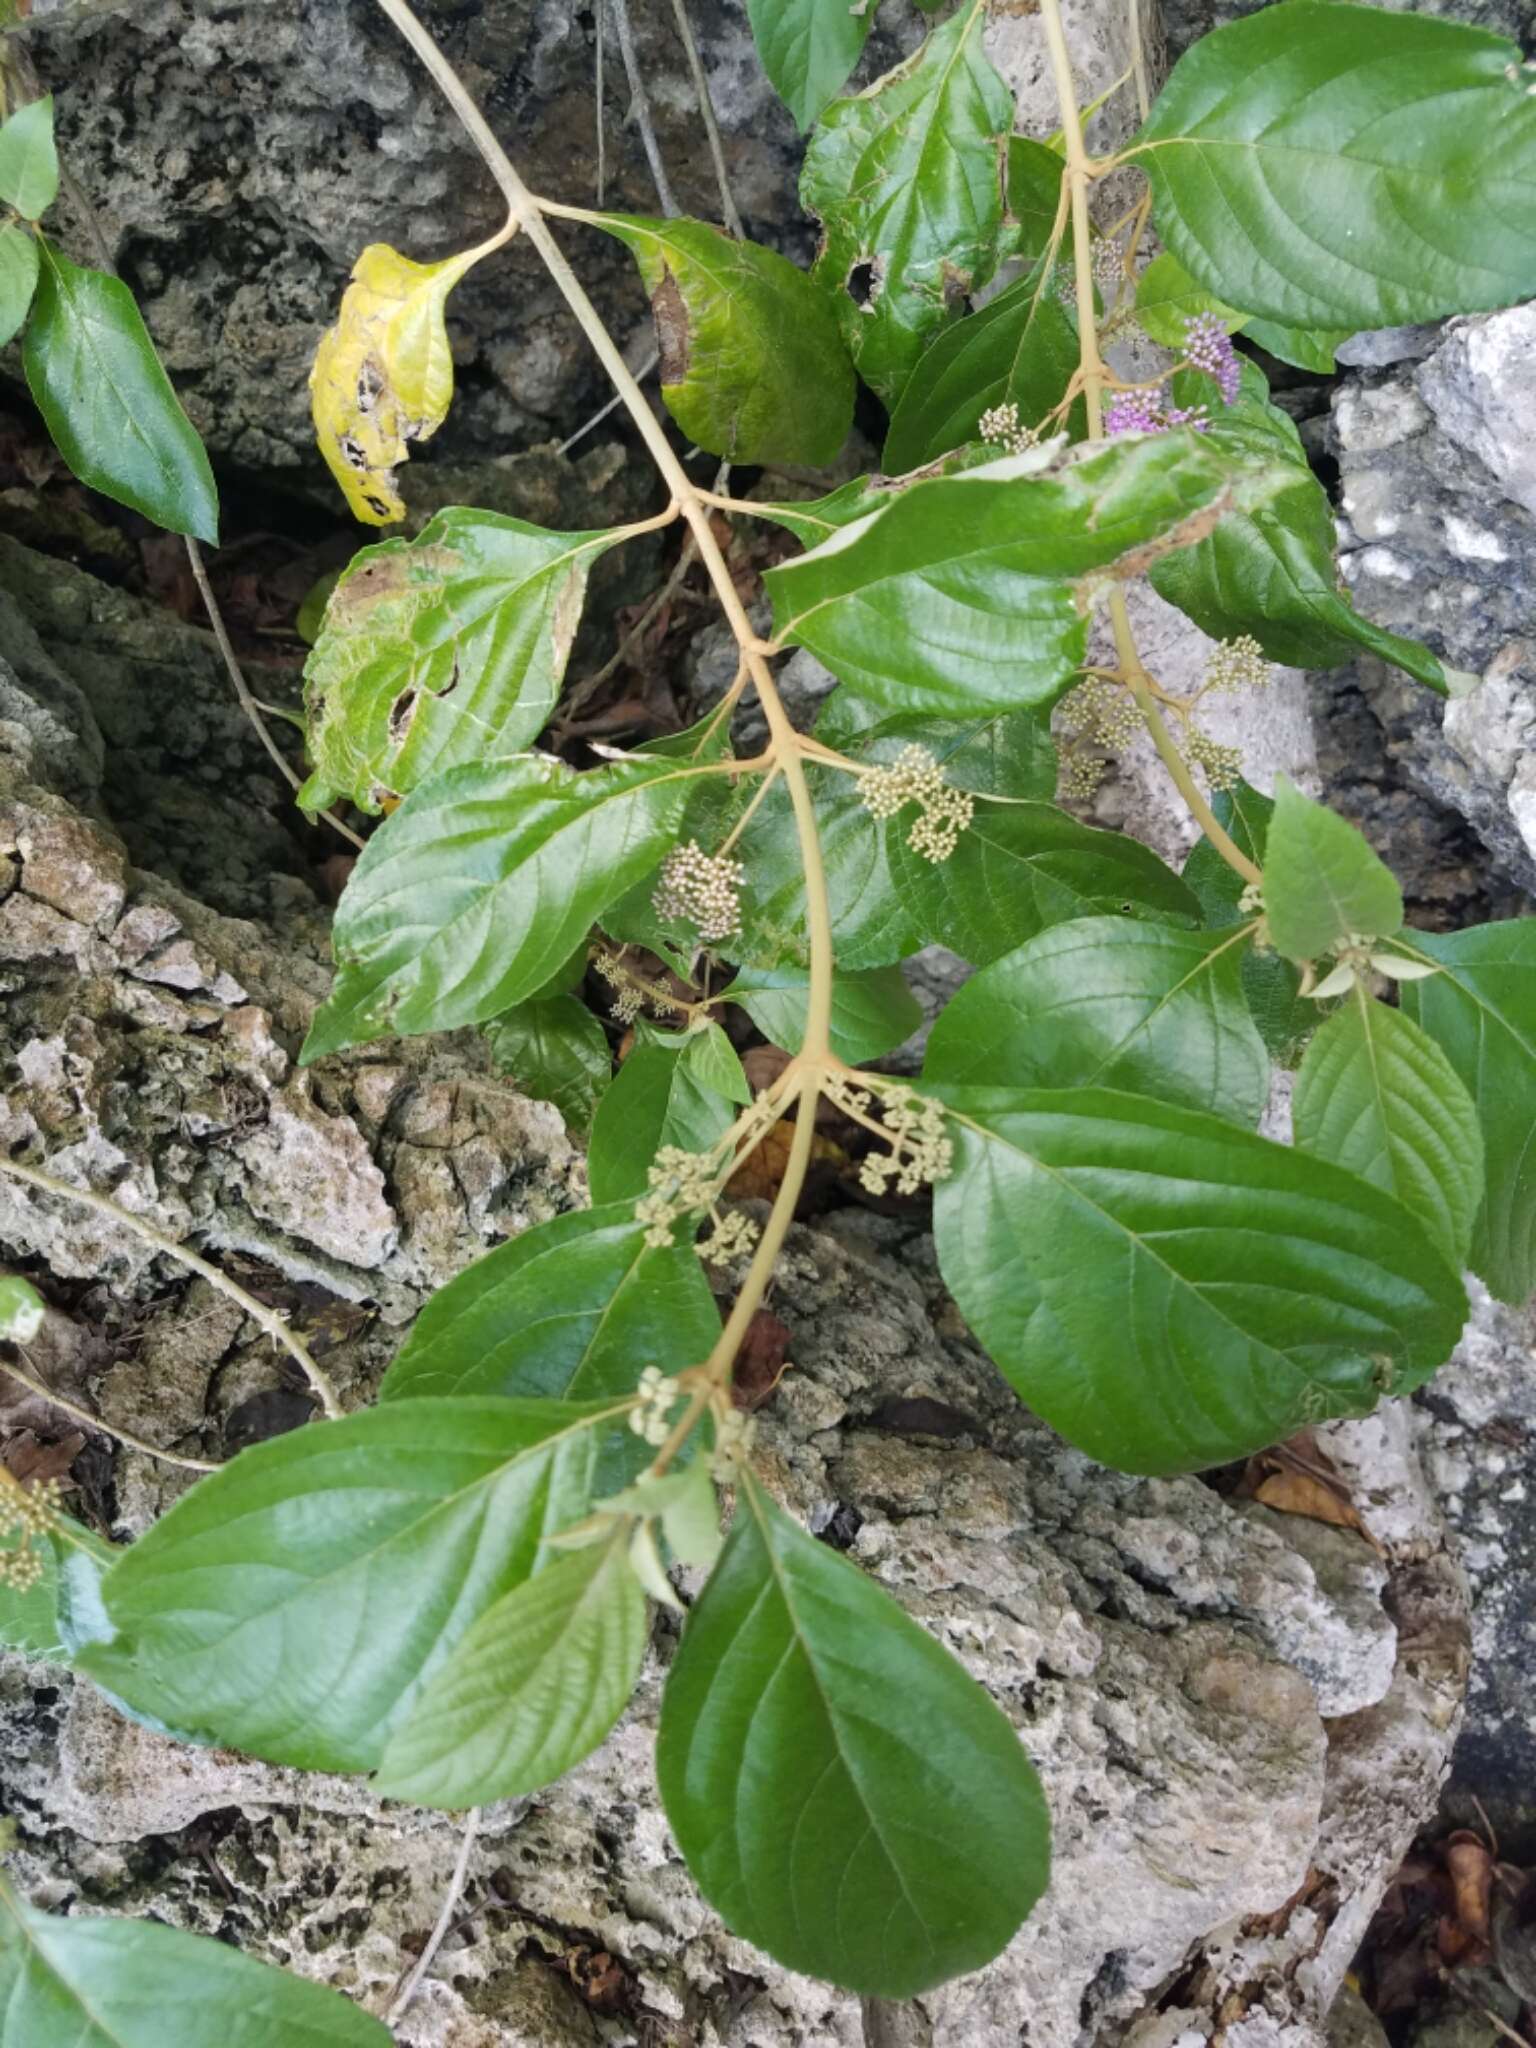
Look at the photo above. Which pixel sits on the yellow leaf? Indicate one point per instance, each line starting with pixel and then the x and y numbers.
pixel 383 375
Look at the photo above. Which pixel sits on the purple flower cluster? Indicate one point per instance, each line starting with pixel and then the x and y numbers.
pixel 1208 347
pixel 1148 412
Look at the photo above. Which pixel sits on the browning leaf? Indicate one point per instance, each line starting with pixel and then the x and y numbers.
pixel 383 375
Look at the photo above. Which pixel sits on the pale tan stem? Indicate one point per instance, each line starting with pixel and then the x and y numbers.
pixel 122 1436
pixel 268 1318
pixel 775 1230
pixel 747 815
pixel 1080 174
pixel 786 745
pixel 445 1919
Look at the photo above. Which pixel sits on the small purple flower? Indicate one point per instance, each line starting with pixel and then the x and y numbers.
pixel 1148 412
pixel 1208 347
pixel 1135 412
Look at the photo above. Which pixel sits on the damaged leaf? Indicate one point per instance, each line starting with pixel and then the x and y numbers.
pixel 907 180
pixel 383 375
pixel 752 367
pixel 438 651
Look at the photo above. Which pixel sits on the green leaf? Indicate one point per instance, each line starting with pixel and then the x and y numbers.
pixel 813 520
pixel 808 48
pixel 556 1051
pixel 1167 296
pixel 22 1310
pixel 1035 179
pixel 34 1622
pixel 1327 166
pixel 18 278
pixel 1377 1095
pixel 440 651
pixel 571 1309
pixel 1271 983
pixel 294 1603
pixel 1308 348
pixel 844 1795
pixel 1480 1009
pixel 29 163
pixel 907 182
pixel 1009 753
pixel 476 890
pixel 1323 886
pixel 1268 570
pixel 660 1097
pixel 534 1687
pixel 872 1013
pixel 93 1983
pixel 1020 867
pixel 1020 349
pixel 95 378
pixel 1104 1000
pixel 971 592
pixel 713 1062
pixel 752 364
pixel 1172 1292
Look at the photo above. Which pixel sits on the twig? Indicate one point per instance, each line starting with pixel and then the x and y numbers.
pixel 439 1933
pixel 583 691
pixel 91 1421
pixel 248 703
pixel 581 433
pixel 640 107
pixel 268 1318
pixel 597 93
pixel 728 211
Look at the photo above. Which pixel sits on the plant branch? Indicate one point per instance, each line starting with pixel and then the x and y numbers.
pixel 1080 174
pixel 640 107
pixel 248 703
pixel 274 1324
pixel 786 747
pixel 444 1923
pixel 122 1436
pixel 728 211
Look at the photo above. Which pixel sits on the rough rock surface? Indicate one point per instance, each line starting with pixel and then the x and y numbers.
pixel 1225 1719
pixel 1438 545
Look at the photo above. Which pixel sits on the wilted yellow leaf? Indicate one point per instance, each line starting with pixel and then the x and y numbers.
pixel 383 375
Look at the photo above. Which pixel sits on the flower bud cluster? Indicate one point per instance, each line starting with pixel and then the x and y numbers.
pixel 658 1397
pixel 683 1184
pixel 1238 664
pixel 730 1236
pixel 914 777
pixel 1223 765
pixel 28 1513
pixel 1001 426
pixel 734 1433
pixel 704 888
pixel 1208 347
pixel 912 1125
pixel 1148 412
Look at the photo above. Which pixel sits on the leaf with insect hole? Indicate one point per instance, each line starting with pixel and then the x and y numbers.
pixel 440 651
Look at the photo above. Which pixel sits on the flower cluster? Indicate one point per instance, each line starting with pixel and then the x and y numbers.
pixel 730 1236
pixel 1223 765
pixel 1237 665
pixel 28 1513
pixel 1208 347
pixel 631 994
pixel 911 1124
pixel 1098 718
pixel 703 887
pixel 684 1183
pixel 1001 426
pixel 1148 412
pixel 914 777
pixel 658 1397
